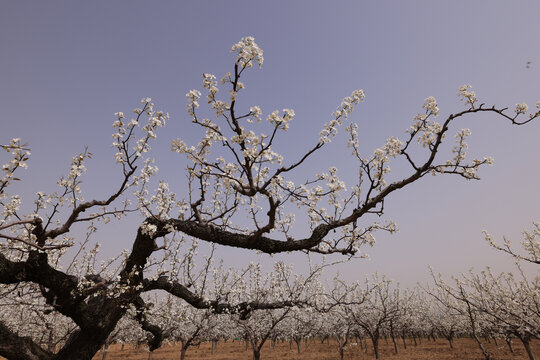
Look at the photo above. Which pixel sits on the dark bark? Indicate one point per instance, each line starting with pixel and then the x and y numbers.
pixel 298 341
pixel 105 351
pixel 396 350
pixel 14 347
pixel 526 340
pixel 486 354
pixel 375 341
pixel 393 337
pixel 183 352
pixel 96 317
pixel 449 335
pixel 84 345
pixel 509 343
pixel 324 338
pixel 190 341
pixel 342 342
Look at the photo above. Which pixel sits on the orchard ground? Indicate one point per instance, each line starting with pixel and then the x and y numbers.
pixel 464 349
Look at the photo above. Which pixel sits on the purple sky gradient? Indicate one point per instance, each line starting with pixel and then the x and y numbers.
pixel 66 67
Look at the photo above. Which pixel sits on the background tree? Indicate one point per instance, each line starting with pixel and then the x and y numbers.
pixel 182 323
pixel 379 309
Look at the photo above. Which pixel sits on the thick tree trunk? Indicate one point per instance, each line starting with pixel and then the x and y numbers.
pixel 82 345
pixel 298 345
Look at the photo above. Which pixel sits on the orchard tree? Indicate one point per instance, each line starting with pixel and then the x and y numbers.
pixel 379 309
pixel 300 325
pixel 235 172
pixel 337 320
pixel 263 324
pixel 446 316
pixel 182 322
pixel 499 302
pixel 412 318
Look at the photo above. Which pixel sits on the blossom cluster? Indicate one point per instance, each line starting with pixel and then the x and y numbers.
pixel 280 121
pixel 330 129
pixel 467 96
pixel 19 157
pixel 247 51
pixel 125 132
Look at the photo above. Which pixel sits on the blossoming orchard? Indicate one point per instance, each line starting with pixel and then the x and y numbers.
pixel 59 301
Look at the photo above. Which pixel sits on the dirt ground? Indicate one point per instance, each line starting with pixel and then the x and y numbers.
pixel 464 349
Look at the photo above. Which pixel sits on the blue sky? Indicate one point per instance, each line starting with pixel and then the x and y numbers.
pixel 67 66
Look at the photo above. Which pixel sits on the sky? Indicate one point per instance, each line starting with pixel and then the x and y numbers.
pixel 66 67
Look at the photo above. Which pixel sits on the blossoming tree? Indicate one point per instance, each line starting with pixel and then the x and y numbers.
pixel 234 172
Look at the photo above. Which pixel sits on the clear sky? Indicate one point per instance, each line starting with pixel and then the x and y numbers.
pixel 67 66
